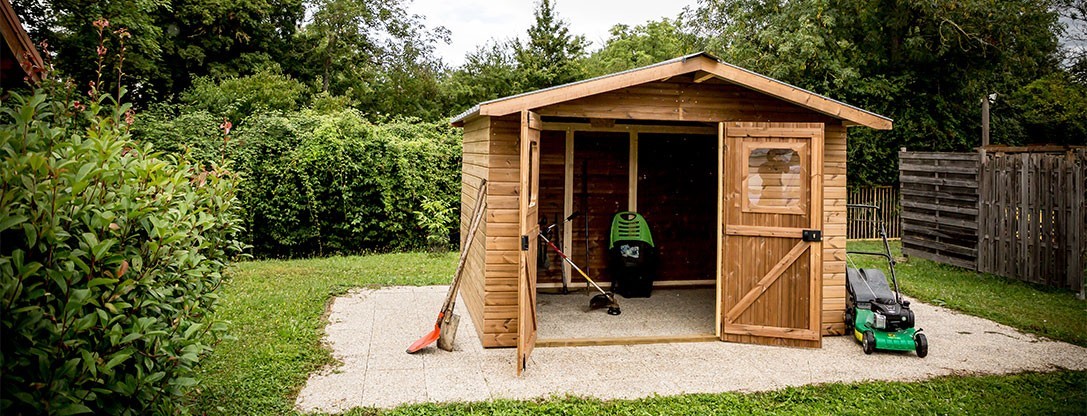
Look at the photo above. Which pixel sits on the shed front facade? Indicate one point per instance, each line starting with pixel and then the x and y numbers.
pixel 741 177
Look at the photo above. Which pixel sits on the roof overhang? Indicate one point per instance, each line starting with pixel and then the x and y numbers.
pixel 17 40
pixel 686 64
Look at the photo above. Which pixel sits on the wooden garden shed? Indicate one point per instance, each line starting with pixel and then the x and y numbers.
pixel 741 177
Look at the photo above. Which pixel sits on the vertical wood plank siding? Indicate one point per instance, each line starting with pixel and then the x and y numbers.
pixel 1032 222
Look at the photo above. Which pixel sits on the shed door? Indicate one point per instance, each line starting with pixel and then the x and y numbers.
pixel 530 231
pixel 771 266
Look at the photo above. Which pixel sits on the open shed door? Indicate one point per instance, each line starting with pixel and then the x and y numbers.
pixel 771 263
pixel 530 231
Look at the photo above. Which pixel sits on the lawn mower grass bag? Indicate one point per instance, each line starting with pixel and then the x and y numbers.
pixel 632 256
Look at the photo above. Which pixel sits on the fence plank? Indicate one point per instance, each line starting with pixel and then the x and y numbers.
pixel 861 225
pixel 940 207
pixel 1031 216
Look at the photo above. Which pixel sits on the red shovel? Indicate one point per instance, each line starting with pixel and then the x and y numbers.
pixel 446 318
pixel 429 338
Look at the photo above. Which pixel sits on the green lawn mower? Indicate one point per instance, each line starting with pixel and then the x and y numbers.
pixel 880 319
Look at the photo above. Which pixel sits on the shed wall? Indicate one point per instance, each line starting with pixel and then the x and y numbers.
pixel 499 323
pixel 473 169
pixel 834 228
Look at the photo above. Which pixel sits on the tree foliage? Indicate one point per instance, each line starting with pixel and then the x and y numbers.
pixel 924 64
pixel 173 41
pixel 632 47
pixel 551 55
pixel 236 98
pixel 374 52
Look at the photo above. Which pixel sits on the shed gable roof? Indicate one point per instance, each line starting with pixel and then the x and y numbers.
pixel 686 64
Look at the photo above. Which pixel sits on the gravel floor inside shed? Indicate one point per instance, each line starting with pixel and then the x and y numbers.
pixel 669 312
pixel 369 330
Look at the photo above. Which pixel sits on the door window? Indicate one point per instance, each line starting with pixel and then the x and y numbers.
pixel 774 178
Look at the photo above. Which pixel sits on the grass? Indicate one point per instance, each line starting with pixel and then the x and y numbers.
pixel 1049 312
pixel 276 309
pixel 1063 393
pixel 277 312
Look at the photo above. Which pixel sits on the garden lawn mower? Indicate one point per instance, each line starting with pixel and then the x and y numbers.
pixel 876 313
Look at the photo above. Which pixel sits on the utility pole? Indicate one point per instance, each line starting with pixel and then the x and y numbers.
pixel 985 121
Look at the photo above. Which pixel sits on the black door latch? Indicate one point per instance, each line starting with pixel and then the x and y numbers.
pixel 524 243
pixel 811 236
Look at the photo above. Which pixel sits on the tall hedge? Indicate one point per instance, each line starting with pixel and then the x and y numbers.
pixel 110 261
pixel 321 183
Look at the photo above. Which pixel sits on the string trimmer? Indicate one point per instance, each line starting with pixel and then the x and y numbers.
pixel 604 299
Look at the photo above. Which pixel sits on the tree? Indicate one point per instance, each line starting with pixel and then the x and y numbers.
pixel 67 27
pixel 924 64
pixel 551 55
pixel 1074 16
pixel 172 42
pixel 489 72
pixel 374 52
pixel 639 46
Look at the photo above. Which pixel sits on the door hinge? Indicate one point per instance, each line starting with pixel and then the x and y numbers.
pixel 811 236
pixel 524 243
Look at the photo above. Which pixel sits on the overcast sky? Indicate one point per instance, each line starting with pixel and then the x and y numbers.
pixel 473 22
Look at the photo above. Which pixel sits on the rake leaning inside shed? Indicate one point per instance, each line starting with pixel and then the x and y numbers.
pixel 742 177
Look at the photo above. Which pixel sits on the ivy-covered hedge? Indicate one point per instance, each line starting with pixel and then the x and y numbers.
pixel 320 183
pixel 110 260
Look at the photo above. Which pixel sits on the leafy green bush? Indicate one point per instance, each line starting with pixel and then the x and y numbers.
pixel 329 181
pixel 111 259
pixel 235 98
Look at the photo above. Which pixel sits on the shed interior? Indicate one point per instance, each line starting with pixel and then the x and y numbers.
pixel 665 171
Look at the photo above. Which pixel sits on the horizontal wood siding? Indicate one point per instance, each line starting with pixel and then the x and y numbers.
pixel 940 206
pixel 834 228
pixel 499 323
pixel 471 291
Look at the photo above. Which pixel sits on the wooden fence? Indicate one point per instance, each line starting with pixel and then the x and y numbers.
pixel 940 206
pixel 860 225
pixel 1031 216
pixel 1016 212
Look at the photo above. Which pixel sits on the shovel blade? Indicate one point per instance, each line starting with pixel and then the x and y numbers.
pixel 448 332
pixel 427 339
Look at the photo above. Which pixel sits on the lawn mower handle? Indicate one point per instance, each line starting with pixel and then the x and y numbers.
pixel 886 246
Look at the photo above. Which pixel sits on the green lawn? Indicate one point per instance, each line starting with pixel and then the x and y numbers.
pixel 1062 393
pixel 277 308
pixel 277 312
pixel 1049 312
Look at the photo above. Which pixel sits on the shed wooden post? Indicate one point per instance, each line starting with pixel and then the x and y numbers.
pixel 632 202
pixel 568 205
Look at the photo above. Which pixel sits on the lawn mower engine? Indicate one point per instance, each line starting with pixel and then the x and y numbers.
pixel 887 315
